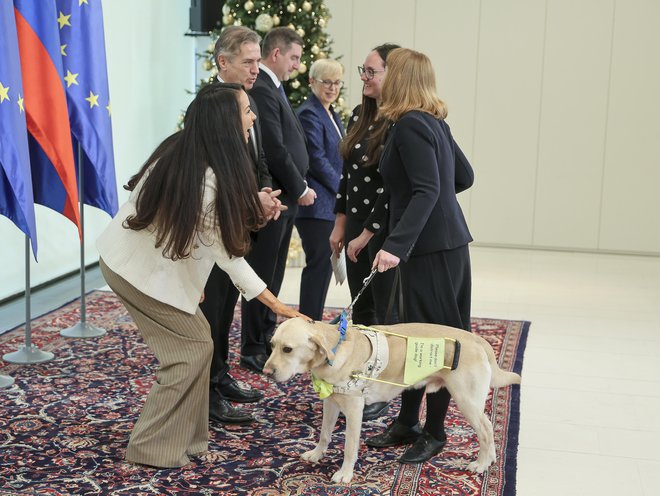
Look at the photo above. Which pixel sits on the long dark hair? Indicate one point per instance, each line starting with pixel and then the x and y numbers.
pixel 171 199
pixel 366 117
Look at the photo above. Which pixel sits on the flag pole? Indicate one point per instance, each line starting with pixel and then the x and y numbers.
pixel 28 353
pixel 82 329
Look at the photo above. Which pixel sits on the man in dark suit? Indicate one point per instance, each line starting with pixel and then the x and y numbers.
pixel 286 156
pixel 237 55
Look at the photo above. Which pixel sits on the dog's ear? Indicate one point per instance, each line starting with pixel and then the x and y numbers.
pixel 322 341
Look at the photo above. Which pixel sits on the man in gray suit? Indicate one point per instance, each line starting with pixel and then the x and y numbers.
pixel 286 155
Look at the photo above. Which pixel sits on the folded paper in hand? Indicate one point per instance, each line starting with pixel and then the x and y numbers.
pixel 339 266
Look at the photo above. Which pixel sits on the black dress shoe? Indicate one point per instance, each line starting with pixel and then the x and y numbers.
pixel 234 392
pixel 223 412
pixel 375 410
pixel 425 448
pixel 395 435
pixel 254 362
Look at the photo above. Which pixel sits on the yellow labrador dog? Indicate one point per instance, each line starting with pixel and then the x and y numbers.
pixel 303 346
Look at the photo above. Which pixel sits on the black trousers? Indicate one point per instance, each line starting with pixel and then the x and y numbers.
pixel 220 297
pixel 316 276
pixel 437 289
pixel 371 307
pixel 268 259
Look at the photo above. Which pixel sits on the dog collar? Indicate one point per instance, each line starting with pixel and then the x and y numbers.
pixel 343 325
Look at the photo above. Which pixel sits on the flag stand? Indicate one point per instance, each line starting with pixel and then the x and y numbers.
pixel 28 353
pixel 82 329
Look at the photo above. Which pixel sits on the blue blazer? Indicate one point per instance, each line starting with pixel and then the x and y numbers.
pixel 325 163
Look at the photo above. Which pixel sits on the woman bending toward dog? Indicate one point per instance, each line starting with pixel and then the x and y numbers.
pixel 427 233
pixel 193 204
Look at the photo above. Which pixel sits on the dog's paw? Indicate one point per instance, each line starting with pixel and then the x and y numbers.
pixel 313 455
pixel 478 467
pixel 342 476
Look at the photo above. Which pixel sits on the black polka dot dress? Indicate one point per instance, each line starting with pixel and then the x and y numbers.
pixel 360 185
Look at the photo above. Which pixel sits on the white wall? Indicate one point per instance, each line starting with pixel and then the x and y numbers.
pixel 150 66
pixel 554 102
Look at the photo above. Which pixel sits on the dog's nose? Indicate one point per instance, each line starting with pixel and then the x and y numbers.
pixel 268 371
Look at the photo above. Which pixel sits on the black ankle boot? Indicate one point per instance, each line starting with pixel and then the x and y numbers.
pixel 375 410
pixel 395 435
pixel 425 448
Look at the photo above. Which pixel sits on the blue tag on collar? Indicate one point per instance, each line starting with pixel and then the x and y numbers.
pixel 343 325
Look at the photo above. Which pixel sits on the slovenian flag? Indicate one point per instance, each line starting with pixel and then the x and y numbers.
pixel 51 154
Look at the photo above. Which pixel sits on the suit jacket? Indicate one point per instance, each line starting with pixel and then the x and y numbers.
pixel 256 149
pixel 257 152
pixel 325 163
pixel 283 140
pixel 418 166
pixel 134 256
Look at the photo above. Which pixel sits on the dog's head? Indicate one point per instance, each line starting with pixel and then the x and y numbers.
pixel 298 346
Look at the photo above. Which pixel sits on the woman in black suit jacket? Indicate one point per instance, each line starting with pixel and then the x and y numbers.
pixel 427 232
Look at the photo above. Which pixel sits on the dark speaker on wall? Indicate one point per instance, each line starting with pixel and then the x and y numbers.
pixel 205 15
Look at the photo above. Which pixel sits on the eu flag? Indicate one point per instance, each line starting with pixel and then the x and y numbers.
pixel 86 78
pixel 51 155
pixel 16 200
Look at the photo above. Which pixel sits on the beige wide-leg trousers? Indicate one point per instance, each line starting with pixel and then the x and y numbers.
pixel 174 420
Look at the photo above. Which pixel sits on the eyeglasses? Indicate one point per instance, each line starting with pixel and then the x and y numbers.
pixel 329 84
pixel 367 71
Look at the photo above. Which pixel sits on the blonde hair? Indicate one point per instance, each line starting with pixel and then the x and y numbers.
pixel 324 68
pixel 409 85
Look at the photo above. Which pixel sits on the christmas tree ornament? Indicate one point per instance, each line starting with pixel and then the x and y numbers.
pixel 228 20
pixel 291 8
pixel 276 20
pixel 249 5
pixel 226 9
pixel 263 23
pixel 302 69
pixel 306 6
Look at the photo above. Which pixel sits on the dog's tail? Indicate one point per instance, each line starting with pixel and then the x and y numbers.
pixel 499 377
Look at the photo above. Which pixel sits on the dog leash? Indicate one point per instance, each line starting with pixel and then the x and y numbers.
pixel 349 309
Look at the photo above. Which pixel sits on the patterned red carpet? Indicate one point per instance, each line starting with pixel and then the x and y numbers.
pixel 64 425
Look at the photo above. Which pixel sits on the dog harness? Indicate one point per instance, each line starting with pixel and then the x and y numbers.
pixel 373 367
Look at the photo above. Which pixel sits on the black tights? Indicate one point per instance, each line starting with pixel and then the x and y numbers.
pixel 436 410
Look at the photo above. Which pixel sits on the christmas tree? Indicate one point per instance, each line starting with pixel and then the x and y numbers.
pixel 308 18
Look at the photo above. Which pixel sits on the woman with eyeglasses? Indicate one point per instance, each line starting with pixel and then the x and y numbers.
pixel 324 130
pixel 360 187
pixel 427 233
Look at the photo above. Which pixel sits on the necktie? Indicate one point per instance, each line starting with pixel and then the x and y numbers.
pixel 283 93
